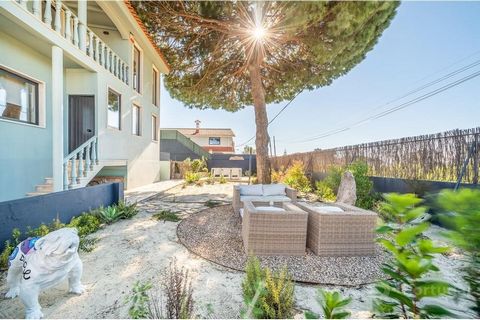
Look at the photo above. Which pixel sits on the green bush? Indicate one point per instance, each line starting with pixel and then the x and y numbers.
pixel 327 188
pixel 127 211
pixel 222 179
pixel 108 215
pixel 191 177
pixel 139 300
pixel 411 290
pixel 267 295
pixel 85 223
pixel 332 304
pixel 167 215
pixel 7 251
pixel 463 218
pixel 295 177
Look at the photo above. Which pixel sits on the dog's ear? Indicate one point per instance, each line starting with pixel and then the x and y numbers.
pixel 39 243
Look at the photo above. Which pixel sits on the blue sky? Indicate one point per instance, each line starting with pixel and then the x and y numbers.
pixel 425 41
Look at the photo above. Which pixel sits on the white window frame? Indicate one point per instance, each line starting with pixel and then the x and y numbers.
pixel 140 112
pixel 156 88
pixel 140 80
pixel 120 110
pixel 155 133
pixel 41 123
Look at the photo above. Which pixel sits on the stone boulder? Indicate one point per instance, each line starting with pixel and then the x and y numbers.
pixel 347 191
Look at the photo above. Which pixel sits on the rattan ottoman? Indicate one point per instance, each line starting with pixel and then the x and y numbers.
pixel 275 232
pixel 347 233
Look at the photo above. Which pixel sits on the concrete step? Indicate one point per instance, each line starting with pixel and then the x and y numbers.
pixel 49 181
pixel 44 188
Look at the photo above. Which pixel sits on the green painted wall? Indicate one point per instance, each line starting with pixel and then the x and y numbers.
pixel 25 150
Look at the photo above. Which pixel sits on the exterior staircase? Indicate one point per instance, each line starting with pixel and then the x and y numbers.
pixel 79 168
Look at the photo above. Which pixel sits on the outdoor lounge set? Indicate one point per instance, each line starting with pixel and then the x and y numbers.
pixel 274 223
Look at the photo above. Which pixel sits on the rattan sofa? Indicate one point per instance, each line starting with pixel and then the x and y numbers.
pixel 267 232
pixel 347 233
pixel 262 196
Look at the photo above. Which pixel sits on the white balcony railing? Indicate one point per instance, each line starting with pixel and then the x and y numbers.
pixel 61 19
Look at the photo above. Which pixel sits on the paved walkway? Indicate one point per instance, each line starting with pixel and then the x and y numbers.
pixel 144 192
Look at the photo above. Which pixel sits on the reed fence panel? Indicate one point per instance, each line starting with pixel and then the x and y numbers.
pixel 437 157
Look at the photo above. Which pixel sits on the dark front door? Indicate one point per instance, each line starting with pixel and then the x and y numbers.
pixel 81 120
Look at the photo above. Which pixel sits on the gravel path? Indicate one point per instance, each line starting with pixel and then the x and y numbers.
pixel 214 234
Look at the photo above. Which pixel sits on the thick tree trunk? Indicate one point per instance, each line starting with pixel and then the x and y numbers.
pixel 261 121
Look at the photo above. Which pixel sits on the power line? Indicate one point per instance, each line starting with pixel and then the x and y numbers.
pixel 275 117
pixel 396 108
pixel 413 91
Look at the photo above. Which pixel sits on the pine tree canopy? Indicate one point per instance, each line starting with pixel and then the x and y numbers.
pixel 306 45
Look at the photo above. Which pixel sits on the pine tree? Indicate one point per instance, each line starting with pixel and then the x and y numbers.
pixel 229 55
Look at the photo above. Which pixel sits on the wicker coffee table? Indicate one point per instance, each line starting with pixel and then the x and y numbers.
pixel 340 230
pixel 274 231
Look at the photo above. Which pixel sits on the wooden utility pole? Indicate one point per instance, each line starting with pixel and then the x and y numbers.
pixel 274 148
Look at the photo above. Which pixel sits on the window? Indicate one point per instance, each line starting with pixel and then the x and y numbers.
pixel 136 68
pixel 156 87
pixel 114 109
pixel 136 120
pixel 214 141
pixel 18 98
pixel 154 128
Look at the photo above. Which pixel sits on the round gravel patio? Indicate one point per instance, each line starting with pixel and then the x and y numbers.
pixel 215 234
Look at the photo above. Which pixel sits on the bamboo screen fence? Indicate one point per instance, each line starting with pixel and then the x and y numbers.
pixel 438 157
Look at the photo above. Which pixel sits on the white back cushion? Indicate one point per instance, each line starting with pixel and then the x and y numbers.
pixel 252 190
pixel 274 190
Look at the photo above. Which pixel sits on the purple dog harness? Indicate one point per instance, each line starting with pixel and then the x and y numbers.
pixel 25 246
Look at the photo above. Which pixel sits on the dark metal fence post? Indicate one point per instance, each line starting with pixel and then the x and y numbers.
pixel 475 161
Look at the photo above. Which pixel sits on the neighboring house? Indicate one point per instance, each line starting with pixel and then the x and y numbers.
pixel 212 140
pixel 79 96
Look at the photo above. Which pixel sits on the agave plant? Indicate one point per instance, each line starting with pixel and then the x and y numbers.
pixel 109 214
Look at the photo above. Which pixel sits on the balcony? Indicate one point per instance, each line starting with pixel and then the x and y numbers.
pixel 62 20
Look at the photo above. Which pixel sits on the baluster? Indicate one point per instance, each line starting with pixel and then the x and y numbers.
pixel 75 31
pixel 68 25
pixel 123 71
pixel 114 58
pixel 127 75
pixel 65 175
pixel 73 174
pixel 23 3
pixel 90 44
pixel 36 8
pixel 47 17
pixel 107 59
pixel 81 168
pixel 93 154
pixel 58 17
pixel 97 49
pixel 87 158
pixel 96 150
pixel 100 53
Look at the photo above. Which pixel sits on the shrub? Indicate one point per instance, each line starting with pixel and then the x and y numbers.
pixel 295 177
pixel 278 175
pixel 41 231
pixel 167 215
pixel 191 177
pixel 210 179
pixel 108 215
pixel 222 179
pixel 267 295
pixel 85 223
pixel 411 291
pixel 324 191
pixel 332 304
pixel 7 251
pixel 87 244
pixel 127 211
pixel 139 301
pixel 463 217
pixel 177 288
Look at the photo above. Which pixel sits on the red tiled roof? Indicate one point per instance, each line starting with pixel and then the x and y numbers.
pixel 133 12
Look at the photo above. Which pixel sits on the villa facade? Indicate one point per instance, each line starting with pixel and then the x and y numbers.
pixel 79 96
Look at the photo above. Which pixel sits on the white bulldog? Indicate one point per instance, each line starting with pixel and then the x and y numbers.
pixel 40 263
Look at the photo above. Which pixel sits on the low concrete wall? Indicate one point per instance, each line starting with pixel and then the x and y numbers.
pixel 33 211
pixel 420 187
pixel 220 160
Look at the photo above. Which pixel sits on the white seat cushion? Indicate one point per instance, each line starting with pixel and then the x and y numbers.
pixel 252 190
pixel 265 199
pixel 274 190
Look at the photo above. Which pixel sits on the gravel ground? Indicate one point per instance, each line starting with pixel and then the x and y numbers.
pixel 215 234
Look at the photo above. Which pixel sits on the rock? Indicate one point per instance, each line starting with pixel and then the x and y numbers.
pixel 347 191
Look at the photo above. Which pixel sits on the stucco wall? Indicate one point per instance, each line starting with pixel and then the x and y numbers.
pixel 203 141
pixel 25 150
